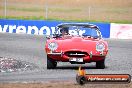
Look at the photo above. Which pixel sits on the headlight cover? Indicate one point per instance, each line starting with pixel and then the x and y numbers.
pixel 100 46
pixel 53 46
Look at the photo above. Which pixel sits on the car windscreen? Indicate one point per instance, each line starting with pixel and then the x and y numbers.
pixel 90 32
pixel 84 31
pixel 80 30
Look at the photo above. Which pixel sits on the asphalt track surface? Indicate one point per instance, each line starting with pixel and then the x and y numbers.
pixel 30 48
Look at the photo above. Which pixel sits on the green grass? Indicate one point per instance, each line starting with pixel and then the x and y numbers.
pixel 24 9
pixel 62 19
pixel 35 9
pixel 64 10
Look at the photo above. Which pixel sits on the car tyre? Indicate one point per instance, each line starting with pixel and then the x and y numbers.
pixel 51 64
pixel 100 64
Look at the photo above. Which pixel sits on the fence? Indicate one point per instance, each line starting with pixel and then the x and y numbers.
pixel 80 10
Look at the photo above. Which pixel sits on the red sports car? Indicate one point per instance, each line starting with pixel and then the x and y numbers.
pixel 77 43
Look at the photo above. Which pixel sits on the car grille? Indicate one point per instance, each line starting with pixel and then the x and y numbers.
pixel 76 54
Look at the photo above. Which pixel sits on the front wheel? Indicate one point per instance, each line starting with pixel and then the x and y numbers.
pixel 51 64
pixel 100 64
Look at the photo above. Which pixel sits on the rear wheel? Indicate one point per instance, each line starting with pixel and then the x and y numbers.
pixel 100 64
pixel 51 64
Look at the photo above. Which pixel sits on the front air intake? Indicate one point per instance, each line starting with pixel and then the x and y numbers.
pixel 76 54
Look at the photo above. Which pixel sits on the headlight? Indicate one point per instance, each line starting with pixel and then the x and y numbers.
pixel 100 46
pixel 52 46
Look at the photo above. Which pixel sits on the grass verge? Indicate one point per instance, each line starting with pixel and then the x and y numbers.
pixel 62 19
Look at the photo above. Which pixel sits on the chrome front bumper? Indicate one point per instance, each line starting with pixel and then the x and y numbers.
pixel 55 53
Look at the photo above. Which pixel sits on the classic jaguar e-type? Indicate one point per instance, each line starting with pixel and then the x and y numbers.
pixel 77 43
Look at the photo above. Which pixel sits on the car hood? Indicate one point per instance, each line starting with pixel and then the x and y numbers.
pixel 76 44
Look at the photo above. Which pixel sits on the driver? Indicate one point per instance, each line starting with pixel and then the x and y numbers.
pixel 64 31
